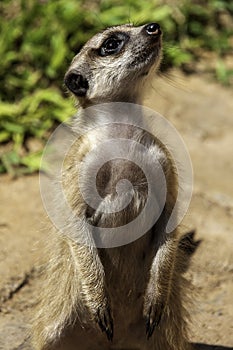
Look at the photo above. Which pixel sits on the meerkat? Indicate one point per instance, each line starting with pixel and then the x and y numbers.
pixel 122 297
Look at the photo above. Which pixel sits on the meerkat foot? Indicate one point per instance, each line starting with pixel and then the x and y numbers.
pixel 153 317
pixel 105 321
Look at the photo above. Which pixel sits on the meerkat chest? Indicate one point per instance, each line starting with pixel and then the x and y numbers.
pixel 120 173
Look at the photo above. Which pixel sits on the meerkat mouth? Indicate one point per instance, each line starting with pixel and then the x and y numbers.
pixel 145 60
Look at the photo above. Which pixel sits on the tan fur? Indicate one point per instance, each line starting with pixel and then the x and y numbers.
pixel 128 287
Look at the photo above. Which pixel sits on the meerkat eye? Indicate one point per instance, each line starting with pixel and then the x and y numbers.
pixel 111 46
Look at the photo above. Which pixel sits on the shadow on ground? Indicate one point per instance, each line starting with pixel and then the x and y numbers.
pixel 199 346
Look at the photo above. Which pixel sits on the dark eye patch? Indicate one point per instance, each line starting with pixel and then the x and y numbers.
pixel 113 44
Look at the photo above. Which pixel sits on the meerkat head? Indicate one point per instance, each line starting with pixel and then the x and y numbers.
pixel 114 64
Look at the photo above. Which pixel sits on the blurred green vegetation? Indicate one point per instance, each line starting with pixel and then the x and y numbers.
pixel 40 37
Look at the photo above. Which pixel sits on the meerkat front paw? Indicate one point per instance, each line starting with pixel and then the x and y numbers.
pixel 154 304
pixel 105 321
pixel 153 313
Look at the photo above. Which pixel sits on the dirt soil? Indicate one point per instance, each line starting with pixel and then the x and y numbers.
pixel 202 112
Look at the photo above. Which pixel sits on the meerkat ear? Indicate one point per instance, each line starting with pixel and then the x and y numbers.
pixel 76 83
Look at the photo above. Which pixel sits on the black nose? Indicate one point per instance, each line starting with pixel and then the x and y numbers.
pixel 153 29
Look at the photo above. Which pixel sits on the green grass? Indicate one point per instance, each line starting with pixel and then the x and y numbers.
pixel 39 38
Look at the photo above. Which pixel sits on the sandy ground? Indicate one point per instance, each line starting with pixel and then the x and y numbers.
pixel 202 112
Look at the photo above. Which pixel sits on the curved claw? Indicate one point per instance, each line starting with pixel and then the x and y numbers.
pixel 153 318
pixel 105 322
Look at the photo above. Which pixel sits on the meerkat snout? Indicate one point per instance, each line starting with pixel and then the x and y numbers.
pixel 153 29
